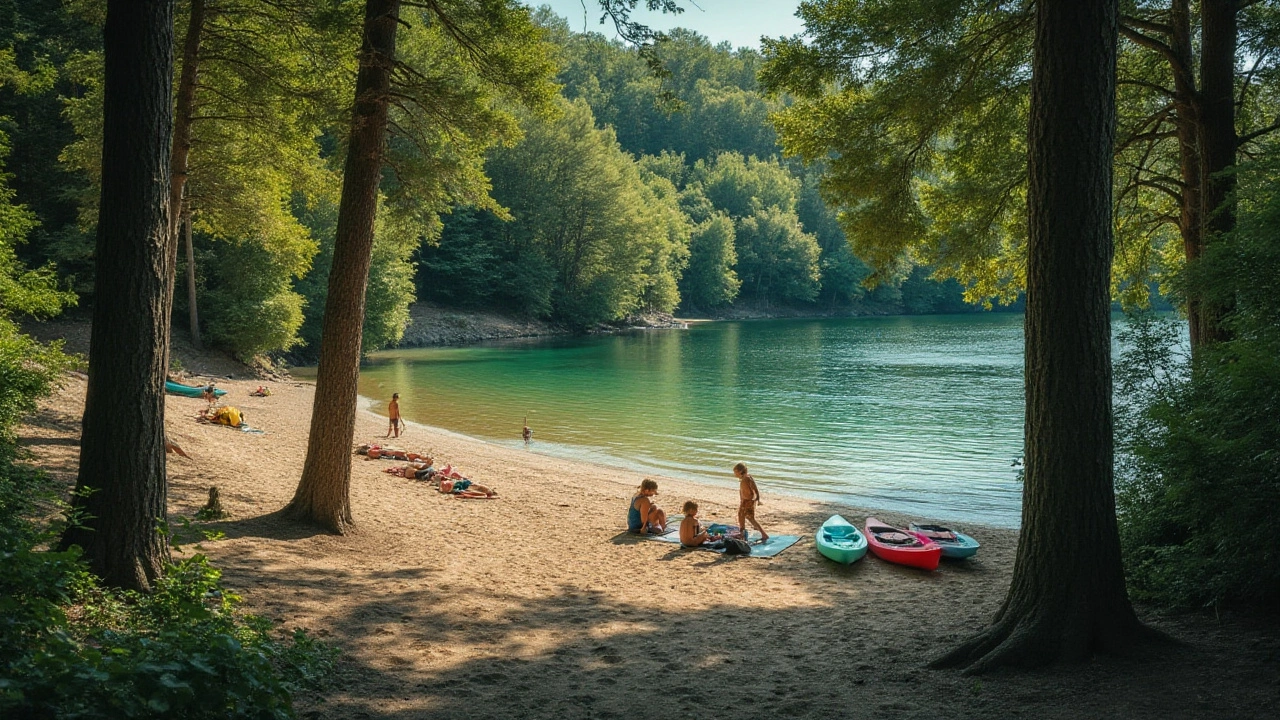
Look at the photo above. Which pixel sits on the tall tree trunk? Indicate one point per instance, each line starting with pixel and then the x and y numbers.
pixel 1186 104
pixel 1217 140
pixel 121 484
pixel 192 314
pixel 1067 599
pixel 323 494
pixel 179 168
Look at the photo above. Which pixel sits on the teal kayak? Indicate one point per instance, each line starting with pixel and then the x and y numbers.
pixel 954 544
pixel 839 540
pixel 189 390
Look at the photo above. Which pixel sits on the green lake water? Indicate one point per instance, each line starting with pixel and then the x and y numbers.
pixel 920 415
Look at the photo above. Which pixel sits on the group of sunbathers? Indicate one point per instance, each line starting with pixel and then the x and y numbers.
pixel 422 467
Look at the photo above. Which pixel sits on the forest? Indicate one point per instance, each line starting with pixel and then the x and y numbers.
pixel 291 175
pixel 628 194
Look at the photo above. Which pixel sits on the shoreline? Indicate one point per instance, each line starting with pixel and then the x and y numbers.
pixel 824 498
pixel 598 468
pixel 540 605
pixel 434 325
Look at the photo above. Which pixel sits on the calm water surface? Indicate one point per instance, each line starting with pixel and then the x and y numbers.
pixel 921 415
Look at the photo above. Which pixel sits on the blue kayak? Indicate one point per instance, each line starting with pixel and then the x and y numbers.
pixel 839 540
pixel 189 390
pixel 954 544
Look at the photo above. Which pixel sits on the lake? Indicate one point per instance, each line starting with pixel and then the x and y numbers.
pixel 920 415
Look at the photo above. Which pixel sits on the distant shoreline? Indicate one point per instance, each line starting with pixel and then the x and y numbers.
pixel 432 325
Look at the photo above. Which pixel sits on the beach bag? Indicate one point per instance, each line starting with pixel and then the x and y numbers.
pixel 734 546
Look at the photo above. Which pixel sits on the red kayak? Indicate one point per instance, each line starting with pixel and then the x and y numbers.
pixel 901 546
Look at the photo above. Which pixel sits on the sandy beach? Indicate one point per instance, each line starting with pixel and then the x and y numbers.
pixel 539 605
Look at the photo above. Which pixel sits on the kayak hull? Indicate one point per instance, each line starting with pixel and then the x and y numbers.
pixel 962 547
pixel 837 539
pixel 919 552
pixel 189 390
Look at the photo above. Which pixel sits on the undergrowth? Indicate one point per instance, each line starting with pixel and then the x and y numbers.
pixel 70 648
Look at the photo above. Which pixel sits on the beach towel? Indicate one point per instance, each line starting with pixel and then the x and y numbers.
pixel 774 545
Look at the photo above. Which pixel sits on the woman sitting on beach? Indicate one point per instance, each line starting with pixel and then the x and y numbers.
pixel 643 516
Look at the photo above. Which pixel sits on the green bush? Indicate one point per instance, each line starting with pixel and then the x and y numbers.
pixel 72 649
pixel 1198 481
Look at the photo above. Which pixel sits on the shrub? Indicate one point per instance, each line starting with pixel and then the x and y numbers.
pixel 1199 470
pixel 72 649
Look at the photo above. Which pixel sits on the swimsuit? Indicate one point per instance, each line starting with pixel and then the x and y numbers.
pixel 633 516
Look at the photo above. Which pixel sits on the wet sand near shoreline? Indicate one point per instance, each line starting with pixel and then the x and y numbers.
pixel 538 605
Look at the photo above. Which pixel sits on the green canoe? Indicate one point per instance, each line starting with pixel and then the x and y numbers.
pixel 839 540
pixel 189 390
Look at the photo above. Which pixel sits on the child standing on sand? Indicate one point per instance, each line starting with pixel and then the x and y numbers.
pixel 748 498
pixel 393 412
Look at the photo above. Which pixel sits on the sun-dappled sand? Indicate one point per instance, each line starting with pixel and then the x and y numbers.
pixel 538 605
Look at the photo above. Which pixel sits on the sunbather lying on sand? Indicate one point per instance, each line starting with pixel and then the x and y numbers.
pixel 448 473
pixel 467 489
pixel 421 470
pixel 390 453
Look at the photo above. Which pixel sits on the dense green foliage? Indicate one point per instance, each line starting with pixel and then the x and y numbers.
pixel 674 222
pixel 754 230
pixel 391 287
pixel 255 145
pixel 596 241
pixel 71 649
pixel 1200 477
pixel 28 370
pixel 38 42
pixel 918 109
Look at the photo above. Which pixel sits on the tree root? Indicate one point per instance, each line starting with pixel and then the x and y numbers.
pixel 1022 642
pixel 335 523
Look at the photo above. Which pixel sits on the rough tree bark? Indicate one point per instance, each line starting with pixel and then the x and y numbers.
pixel 121 484
pixel 1204 120
pixel 1067 599
pixel 323 494
pixel 179 170
pixel 193 314
pixel 1217 140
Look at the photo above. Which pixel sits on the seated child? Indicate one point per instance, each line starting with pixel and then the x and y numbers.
pixel 692 534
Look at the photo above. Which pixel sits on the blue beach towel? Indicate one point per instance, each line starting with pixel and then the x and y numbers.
pixel 775 544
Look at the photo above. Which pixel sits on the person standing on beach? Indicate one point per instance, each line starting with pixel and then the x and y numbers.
pixel 393 412
pixel 748 498
pixel 527 435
